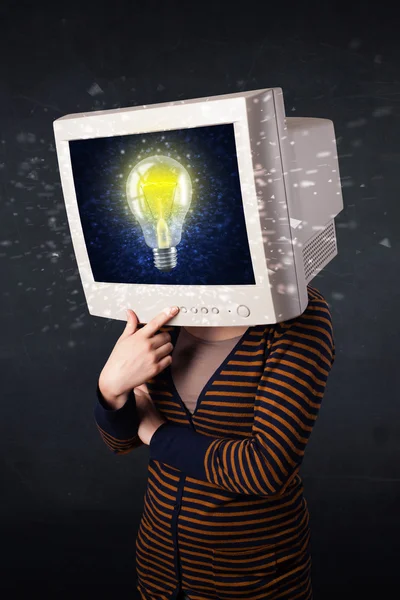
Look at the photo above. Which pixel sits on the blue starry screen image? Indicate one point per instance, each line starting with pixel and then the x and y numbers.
pixel 163 207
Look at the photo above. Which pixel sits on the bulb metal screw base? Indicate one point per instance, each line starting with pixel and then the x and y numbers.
pixel 165 259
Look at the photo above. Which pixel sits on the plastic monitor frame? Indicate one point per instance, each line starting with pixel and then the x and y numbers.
pixel 263 150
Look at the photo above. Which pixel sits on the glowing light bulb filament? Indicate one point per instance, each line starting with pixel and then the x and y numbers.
pixel 163 193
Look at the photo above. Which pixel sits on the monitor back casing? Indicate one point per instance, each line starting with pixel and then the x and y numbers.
pixel 291 192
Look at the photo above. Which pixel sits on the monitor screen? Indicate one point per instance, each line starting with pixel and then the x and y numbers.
pixel 158 190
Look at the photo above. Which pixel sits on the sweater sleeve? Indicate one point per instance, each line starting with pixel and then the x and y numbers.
pixel 287 403
pixel 118 428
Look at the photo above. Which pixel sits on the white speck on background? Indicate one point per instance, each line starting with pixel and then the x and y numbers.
pixel 337 296
pixel 95 89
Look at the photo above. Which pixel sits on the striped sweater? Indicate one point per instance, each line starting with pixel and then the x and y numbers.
pixel 224 513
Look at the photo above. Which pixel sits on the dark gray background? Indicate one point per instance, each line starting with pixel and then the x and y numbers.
pixel 70 509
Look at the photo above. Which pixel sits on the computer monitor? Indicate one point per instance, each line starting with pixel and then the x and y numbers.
pixel 220 205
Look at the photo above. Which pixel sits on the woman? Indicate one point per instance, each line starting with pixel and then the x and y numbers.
pixel 224 513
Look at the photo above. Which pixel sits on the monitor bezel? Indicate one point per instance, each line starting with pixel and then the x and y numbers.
pixel 111 299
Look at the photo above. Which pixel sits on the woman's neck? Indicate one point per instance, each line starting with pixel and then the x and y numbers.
pixel 216 334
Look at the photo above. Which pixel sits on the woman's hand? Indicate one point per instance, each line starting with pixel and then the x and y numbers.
pixel 138 355
pixel 150 417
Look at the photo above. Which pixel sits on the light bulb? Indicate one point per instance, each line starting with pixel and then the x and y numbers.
pixel 159 193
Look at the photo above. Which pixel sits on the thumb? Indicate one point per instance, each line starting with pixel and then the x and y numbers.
pixel 131 324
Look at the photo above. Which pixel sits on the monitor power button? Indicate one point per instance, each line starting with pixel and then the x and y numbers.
pixel 243 311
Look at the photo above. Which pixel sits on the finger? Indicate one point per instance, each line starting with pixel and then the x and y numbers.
pixel 142 387
pixel 131 324
pixel 165 362
pixel 160 339
pixel 141 403
pixel 163 351
pixel 161 319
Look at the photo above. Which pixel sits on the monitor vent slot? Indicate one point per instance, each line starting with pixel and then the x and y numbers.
pixel 319 251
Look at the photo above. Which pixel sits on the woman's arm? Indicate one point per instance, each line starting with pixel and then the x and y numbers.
pixel 139 354
pixel 118 427
pixel 287 404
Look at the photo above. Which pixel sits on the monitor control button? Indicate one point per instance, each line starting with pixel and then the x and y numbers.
pixel 204 309
pixel 183 308
pixel 194 309
pixel 243 311
pixel 215 310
